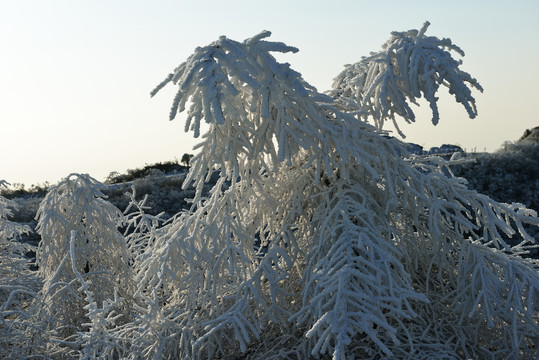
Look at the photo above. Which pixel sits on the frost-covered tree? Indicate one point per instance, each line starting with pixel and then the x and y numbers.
pixel 82 257
pixel 319 238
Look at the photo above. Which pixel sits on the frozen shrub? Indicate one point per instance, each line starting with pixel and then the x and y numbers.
pixel 18 283
pixel 365 254
pixel 14 265
pixel 82 255
pixel 308 234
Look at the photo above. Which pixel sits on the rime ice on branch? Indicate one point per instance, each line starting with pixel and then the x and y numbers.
pixel 363 253
pixel 320 237
pixel 410 65
pixel 75 215
pixel 249 99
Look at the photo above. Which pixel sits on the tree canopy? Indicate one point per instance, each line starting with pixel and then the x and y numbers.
pixel 321 237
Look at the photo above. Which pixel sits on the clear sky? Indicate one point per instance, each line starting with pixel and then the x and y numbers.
pixel 75 75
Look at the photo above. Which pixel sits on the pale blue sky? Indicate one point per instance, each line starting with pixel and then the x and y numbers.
pixel 75 76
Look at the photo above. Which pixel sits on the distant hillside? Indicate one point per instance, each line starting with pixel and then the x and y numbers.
pixel 510 174
pixel 165 168
pixel 507 175
pixel 161 184
pixel 445 149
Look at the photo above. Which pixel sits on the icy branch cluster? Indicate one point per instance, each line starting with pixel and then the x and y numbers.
pixel 14 266
pixel 75 215
pixel 18 284
pixel 410 65
pixel 261 112
pixel 320 237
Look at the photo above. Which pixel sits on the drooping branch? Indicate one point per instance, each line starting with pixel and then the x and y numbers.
pixel 410 65
pixel 260 111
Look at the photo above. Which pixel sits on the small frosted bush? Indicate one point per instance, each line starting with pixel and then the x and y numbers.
pixel 83 257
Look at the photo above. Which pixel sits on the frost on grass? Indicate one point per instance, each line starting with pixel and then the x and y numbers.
pixel 321 237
